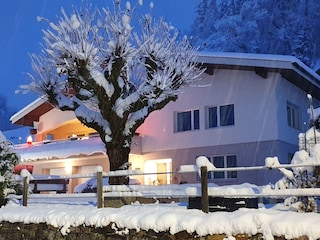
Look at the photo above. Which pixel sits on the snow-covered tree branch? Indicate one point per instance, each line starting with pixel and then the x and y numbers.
pixel 110 73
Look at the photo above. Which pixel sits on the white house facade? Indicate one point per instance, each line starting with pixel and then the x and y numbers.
pixel 245 107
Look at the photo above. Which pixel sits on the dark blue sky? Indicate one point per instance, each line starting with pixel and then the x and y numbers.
pixel 21 35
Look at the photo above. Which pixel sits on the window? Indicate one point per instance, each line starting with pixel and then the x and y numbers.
pixel 183 121
pixel 218 162
pixel 49 136
pixel 231 162
pixel 228 161
pixel 186 121
pixel 212 117
pixel 227 115
pixel 293 116
pixel 196 118
pixel 220 116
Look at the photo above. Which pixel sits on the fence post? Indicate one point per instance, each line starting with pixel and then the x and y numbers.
pixel 99 188
pixel 25 191
pixel 204 189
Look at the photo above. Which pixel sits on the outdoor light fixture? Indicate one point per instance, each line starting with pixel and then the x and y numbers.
pixel 68 168
pixel 312 117
pixel 29 140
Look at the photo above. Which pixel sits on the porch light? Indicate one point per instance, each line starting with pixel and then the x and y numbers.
pixel 68 168
pixel 29 140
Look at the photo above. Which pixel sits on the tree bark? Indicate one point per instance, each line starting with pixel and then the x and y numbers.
pixel 119 160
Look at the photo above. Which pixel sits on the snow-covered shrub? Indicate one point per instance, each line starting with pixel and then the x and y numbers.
pixel 8 159
pixel 300 177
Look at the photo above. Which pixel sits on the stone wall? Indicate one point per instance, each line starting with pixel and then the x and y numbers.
pixel 42 231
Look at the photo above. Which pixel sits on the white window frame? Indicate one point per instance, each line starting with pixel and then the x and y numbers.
pixel 218 116
pixel 227 174
pixel 192 119
pixel 293 116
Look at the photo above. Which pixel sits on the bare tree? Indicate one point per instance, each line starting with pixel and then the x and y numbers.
pixel 111 74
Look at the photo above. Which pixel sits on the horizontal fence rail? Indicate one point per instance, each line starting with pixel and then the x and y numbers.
pixel 195 168
pixel 189 190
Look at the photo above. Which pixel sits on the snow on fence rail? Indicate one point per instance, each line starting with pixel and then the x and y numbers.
pixel 203 166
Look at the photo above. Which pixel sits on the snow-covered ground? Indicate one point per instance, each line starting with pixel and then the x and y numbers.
pixel 66 210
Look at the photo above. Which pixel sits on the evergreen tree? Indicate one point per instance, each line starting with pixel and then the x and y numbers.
pixel 305 41
pixel 200 20
pixel 261 26
pixel 8 159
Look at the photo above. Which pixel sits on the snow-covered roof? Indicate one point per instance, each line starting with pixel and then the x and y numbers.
pixel 60 149
pixel 253 59
pixel 289 67
pixel 31 112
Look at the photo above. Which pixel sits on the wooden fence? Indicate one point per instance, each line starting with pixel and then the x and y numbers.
pixel 183 169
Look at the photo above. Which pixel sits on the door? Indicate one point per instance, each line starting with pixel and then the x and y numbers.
pixel 158 171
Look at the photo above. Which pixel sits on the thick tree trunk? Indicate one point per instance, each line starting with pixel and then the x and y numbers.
pixel 119 160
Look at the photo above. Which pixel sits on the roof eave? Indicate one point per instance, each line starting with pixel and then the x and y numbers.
pixel 31 112
pixel 291 68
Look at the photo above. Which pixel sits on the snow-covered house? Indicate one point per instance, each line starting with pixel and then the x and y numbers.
pixel 246 107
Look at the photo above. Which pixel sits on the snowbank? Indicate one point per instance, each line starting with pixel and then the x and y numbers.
pixel 169 217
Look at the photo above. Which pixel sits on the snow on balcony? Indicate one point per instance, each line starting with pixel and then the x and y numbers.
pixel 60 149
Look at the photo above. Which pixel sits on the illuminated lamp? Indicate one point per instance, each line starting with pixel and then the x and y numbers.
pixel 68 168
pixel 29 140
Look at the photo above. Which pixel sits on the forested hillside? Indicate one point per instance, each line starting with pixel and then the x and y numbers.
pixel 5 113
pixel 259 26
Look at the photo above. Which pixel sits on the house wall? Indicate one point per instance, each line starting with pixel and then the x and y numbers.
pixel 287 92
pixel 261 129
pixel 54 118
pixel 78 166
pixel 81 165
pixel 69 128
pixel 254 105
pixel 248 154
pixel 60 125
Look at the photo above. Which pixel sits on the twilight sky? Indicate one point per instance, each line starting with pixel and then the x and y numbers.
pixel 21 35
